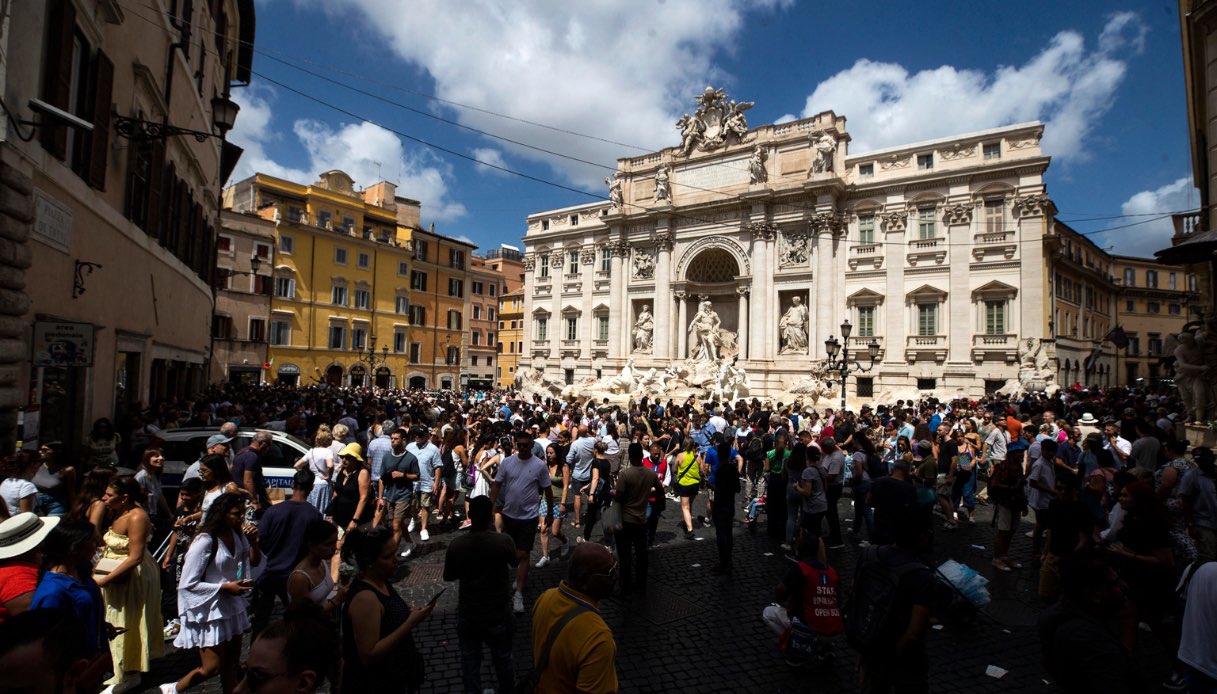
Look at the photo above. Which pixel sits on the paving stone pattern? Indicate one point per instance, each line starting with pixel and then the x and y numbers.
pixel 697 632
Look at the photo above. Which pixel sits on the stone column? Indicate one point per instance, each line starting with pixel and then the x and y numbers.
pixel 811 344
pixel 663 295
pixel 557 273
pixel 1032 213
pixel 619 313
pixel 743 321
pixel 762 338
pixel 682 325
pixel 825 319
pixel 961 319
pixel 895 312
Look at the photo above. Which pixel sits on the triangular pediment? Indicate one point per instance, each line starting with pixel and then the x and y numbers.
pixel 996 288
pixel 864 297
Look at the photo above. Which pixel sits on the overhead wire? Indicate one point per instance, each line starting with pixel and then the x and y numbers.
pixel 543 181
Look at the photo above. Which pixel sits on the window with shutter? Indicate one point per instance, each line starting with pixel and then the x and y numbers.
pixel 57 72
pixel 103 83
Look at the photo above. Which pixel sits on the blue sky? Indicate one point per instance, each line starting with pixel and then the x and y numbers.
pixel 1105 77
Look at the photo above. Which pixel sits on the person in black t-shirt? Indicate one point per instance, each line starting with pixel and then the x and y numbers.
pixel 1070 529
pixel 888 496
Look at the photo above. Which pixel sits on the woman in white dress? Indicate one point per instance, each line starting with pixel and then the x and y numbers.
pixel 211 594
pixel 320 460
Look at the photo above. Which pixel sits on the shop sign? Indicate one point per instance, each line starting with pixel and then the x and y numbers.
pixel 58 343
pixel 52 222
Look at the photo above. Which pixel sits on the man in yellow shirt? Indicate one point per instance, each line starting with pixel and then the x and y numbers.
pixel 572 648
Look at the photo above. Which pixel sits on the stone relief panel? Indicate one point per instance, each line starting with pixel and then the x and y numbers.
pixel 793 251
pixel 717 122
pixel 644 264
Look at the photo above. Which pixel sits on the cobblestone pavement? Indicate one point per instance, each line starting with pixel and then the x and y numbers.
pixel 697 632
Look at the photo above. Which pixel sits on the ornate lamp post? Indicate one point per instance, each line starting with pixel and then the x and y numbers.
pixel 371 358
pixel 844 365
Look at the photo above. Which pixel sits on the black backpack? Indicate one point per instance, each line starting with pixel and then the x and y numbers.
pixel 875 467
pixel 756 450
pixel 869 607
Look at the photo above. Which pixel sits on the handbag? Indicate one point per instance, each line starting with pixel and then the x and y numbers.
pixel 612 519
pixel 106 566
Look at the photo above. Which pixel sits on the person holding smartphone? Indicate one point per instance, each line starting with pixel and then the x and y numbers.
pixel 211 594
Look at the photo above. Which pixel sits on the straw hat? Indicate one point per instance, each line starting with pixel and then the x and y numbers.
pixel 352 450
pixel 23 532
pixel 1088 419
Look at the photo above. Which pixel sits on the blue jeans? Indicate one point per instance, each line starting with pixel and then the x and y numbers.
pixel 794 501
pixel 470 638
pixel 863 514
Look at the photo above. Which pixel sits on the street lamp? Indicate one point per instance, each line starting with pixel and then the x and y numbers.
pixel 844 365
pixel 371 358
pixel 223 118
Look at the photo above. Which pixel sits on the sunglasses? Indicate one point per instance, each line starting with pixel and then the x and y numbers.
pixel 256 679
pixel 612 572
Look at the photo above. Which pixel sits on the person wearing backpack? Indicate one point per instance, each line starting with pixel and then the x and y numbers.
pixel 963 470
pixel 808 593
pixel 1009 497
pixel 888 610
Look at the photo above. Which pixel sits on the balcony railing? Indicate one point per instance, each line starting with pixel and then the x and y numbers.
pixel 927 341
pixel 1001 340
pixel 1187 224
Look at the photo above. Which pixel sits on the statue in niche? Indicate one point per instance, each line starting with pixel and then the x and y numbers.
pixel 644 331
pixel 756 166
pixel 1192 376
pixel 663 190
pixel 824 146
pixel 792 329
pixel 644 265
pixel 703 333
pixel 614 184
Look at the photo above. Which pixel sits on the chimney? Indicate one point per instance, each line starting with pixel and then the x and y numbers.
pixel 432 228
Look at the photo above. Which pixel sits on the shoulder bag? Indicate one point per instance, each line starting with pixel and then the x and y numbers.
pixel 528 684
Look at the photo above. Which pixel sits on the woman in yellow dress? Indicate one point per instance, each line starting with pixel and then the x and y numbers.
pixel 132 588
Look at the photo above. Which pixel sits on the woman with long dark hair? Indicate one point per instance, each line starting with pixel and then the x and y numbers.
pixel 67 579
pixel 132 586
pixel 551 518
pixel 378 647
pixel 310 581
pixel 55 480
pixel 211 603
pixel 217 480
pixel 19 493
pixel 88 505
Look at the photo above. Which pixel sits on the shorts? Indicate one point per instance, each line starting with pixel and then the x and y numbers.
pixel 449 480
pixel 559 510
pixel 577 486
pixel 402 508
pixel 942 487
pixel 1005 519
pixel 688 490
pixel 521 532
pixel 424 499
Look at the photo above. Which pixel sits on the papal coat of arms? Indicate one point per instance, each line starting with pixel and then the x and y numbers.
pixel 717 122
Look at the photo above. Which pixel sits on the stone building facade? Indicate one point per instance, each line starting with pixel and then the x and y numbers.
pixel 244 282
pixel 934 250
pixel 119 217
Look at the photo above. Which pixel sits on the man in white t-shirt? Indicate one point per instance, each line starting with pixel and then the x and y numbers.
pixel 719 422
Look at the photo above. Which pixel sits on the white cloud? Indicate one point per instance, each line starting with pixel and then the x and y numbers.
pixel 620 70
pixel 1155 234
pixel 367 152
pixel 1068 85
pixel 490 156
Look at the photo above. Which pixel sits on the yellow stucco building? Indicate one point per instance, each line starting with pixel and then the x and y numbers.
pixel 358 286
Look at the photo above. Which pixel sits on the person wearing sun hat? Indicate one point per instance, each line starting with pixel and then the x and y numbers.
pixel 20 537
pixel 353 504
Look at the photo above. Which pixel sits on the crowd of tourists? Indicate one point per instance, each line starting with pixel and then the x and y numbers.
pixel 100 568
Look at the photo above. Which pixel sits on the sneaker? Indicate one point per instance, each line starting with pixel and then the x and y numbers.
pixel 689 535
pixel 517 602
pixel 1014 564
pixel 410 528
pixel 408 551
pixel 864 544
pixel 465 525
pixel 542 563
pixel 1001 566
pixel 169 688
pixel 1175 683
pixel 424 535
pixel 127 684
pixel 784 547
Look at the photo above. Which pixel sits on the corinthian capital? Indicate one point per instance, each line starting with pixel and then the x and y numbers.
pixel 664 240
pixel 763 231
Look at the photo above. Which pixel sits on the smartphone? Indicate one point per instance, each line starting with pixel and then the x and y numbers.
pixel 435 598
pixel 246 582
